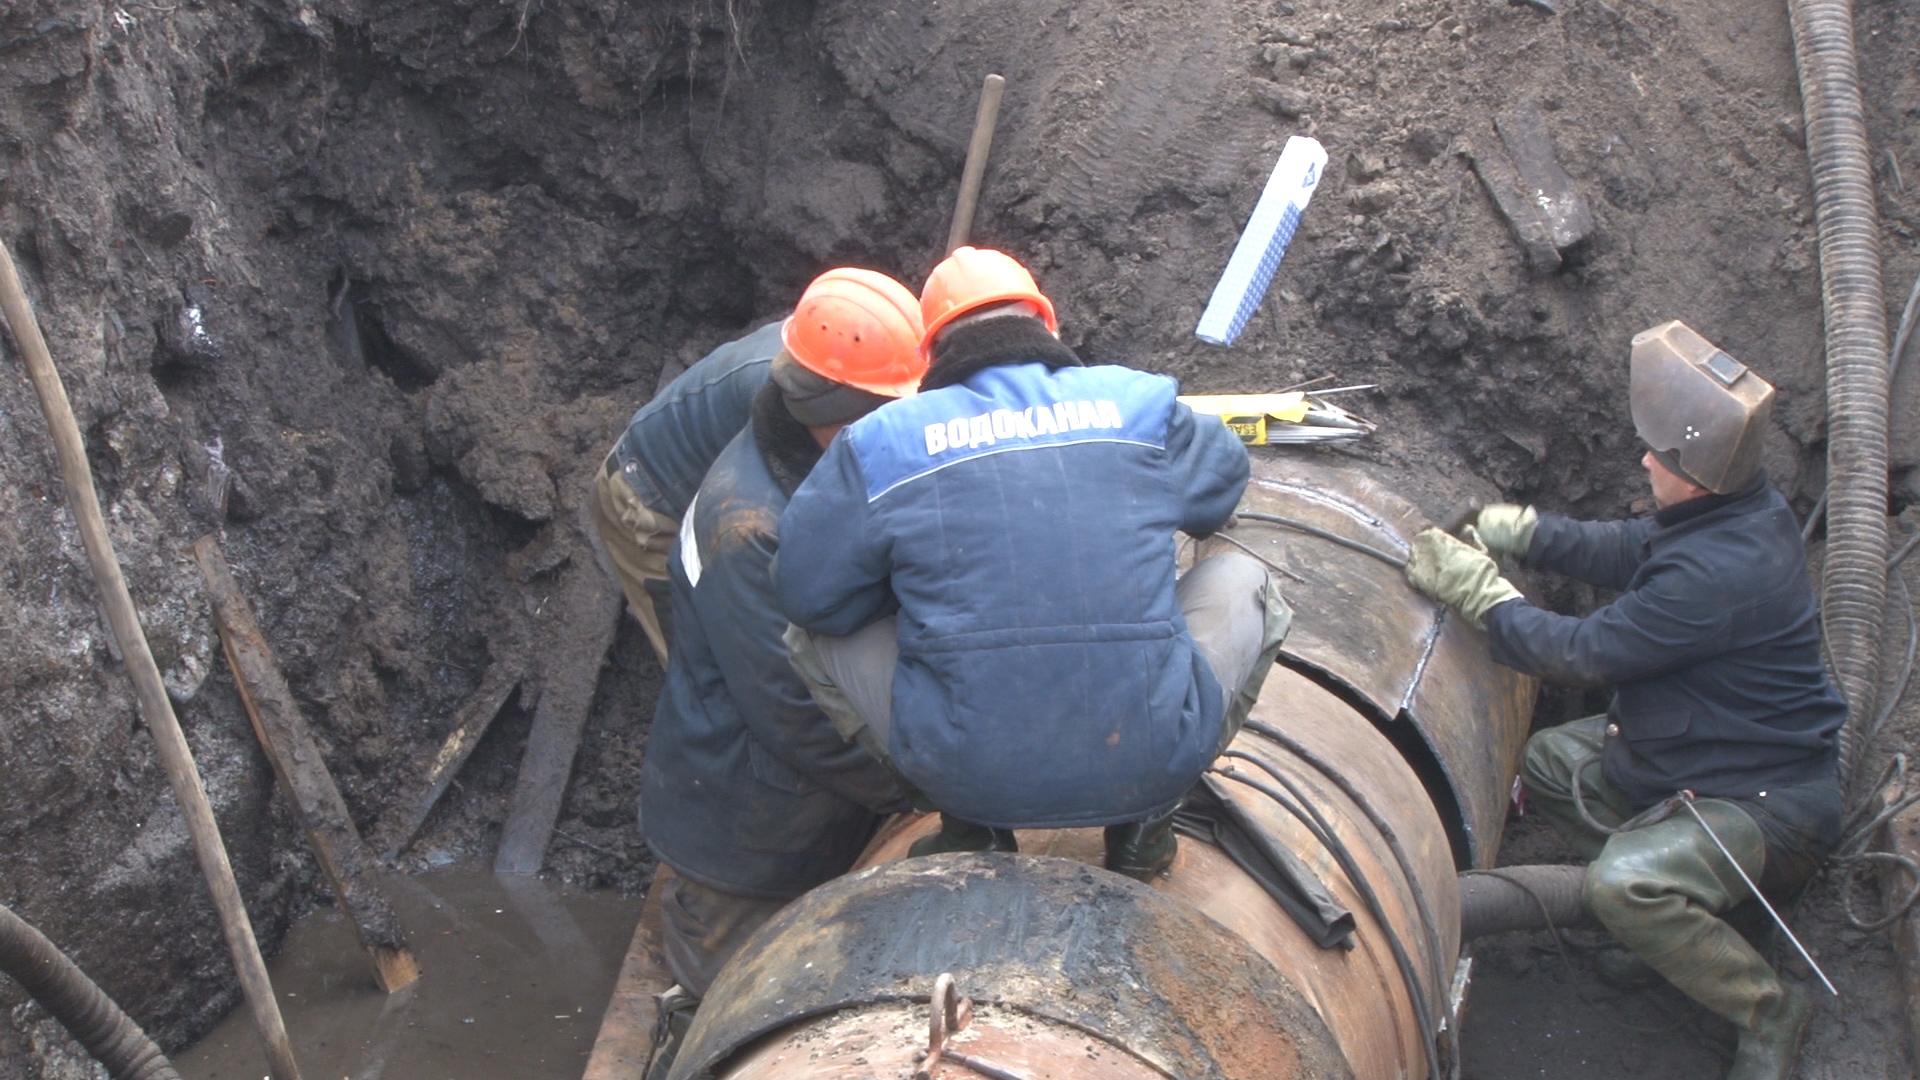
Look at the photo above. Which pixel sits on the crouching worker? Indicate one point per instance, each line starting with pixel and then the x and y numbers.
pixel 1713 651
pixel 1043 669
pixel 747 791
pixel 653 471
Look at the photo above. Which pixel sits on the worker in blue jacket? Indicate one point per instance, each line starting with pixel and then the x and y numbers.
pixel 1720 695
pixel 653 470
pixel 1018 514
pixel 747 791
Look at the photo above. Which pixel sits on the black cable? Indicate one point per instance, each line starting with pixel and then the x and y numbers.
pixel 1387 557
pixel 1323 832
pixel 1339 780
pixel 1900 556
pixel 1913 646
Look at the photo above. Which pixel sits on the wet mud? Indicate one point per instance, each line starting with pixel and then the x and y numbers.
pixel 517 969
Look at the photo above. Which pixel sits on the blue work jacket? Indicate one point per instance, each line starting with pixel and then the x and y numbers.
pixel 746 786
pixel 1712 648
pixel 1023 521
pixel 670 442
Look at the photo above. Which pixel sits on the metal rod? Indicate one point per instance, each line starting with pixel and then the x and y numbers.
pixel 175 756
pixel 976 167
pixel 1314 530
pixel 984 1068
pixel 1271 565
pixel 1686 800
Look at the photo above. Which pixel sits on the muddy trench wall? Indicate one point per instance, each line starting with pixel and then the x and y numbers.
pixel 368 288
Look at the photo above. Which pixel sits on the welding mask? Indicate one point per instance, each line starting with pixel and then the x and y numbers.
pixel 1702 412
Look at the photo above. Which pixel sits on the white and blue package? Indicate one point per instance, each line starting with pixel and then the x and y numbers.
pixel 1243 284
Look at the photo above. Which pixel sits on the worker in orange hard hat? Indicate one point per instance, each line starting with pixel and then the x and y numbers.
pixel 747 790
pixel 658 462
pixel 1044 668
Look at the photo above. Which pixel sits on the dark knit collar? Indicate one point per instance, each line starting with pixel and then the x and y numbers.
pixel 1668 516
pixel 786 446
pixel 965 351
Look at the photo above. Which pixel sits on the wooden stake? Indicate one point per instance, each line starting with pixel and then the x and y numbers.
pixel 283 732
pixel 499 683
pixel 582 630
pixel 975 169
pixel 175 757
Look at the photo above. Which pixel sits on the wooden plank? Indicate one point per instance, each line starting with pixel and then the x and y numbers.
pixel 580 634
pixel 346 860
pixel 626 1029
pixel 476 716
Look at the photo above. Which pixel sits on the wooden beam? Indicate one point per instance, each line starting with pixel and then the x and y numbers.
pixel 344 858
pixel 588 611
pixel 476 716
pixel 626 1029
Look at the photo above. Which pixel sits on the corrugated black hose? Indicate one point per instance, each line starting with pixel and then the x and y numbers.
pixel 1858 379
pixel 61 988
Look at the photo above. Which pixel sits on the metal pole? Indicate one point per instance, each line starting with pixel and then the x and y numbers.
pixel 1686 800
pixel 151 693
pixel 976 168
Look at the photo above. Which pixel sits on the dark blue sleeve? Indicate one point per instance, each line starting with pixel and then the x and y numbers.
pixel 735 598
pixel 1212 463
pixel 676 436
pixel 834 573
pixel 1663 625
pixel 1603 553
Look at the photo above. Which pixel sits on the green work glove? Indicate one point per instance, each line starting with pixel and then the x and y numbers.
pixel 1507 529
pixel 1459 574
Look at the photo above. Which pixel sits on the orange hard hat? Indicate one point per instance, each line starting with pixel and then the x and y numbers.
pixel 972 278
pixel 860 328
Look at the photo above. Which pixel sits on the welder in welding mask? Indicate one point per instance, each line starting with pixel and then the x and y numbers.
pixel 1713 653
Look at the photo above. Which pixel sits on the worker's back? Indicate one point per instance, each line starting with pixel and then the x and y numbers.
pixel 1024 520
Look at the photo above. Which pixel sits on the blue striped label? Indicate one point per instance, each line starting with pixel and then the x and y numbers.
pixel 1009 409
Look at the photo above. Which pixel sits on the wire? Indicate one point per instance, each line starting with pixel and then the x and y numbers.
pixel 1909 315
pixel 1271 565
pixel 1906 670
pixel 1392 838
pixel 1323 832
pixel 1906 549
pixel 1314 530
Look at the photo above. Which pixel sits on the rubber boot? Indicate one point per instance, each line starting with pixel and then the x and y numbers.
pixel 1769 1046
pixel 675 1016
pixel 958 835
pixel 1143 849
pixel 1661 889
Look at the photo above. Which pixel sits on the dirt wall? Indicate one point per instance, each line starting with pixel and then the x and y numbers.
pixel 368 288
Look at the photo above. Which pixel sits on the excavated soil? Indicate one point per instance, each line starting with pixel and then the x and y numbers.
pixel 367 289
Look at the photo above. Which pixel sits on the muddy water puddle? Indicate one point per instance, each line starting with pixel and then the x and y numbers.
pixel 516 974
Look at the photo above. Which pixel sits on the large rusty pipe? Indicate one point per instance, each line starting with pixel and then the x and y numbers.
pixel 1379 755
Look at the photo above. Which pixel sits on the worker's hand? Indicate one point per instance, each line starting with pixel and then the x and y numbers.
pixel 1507 529
pixel 1459 574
